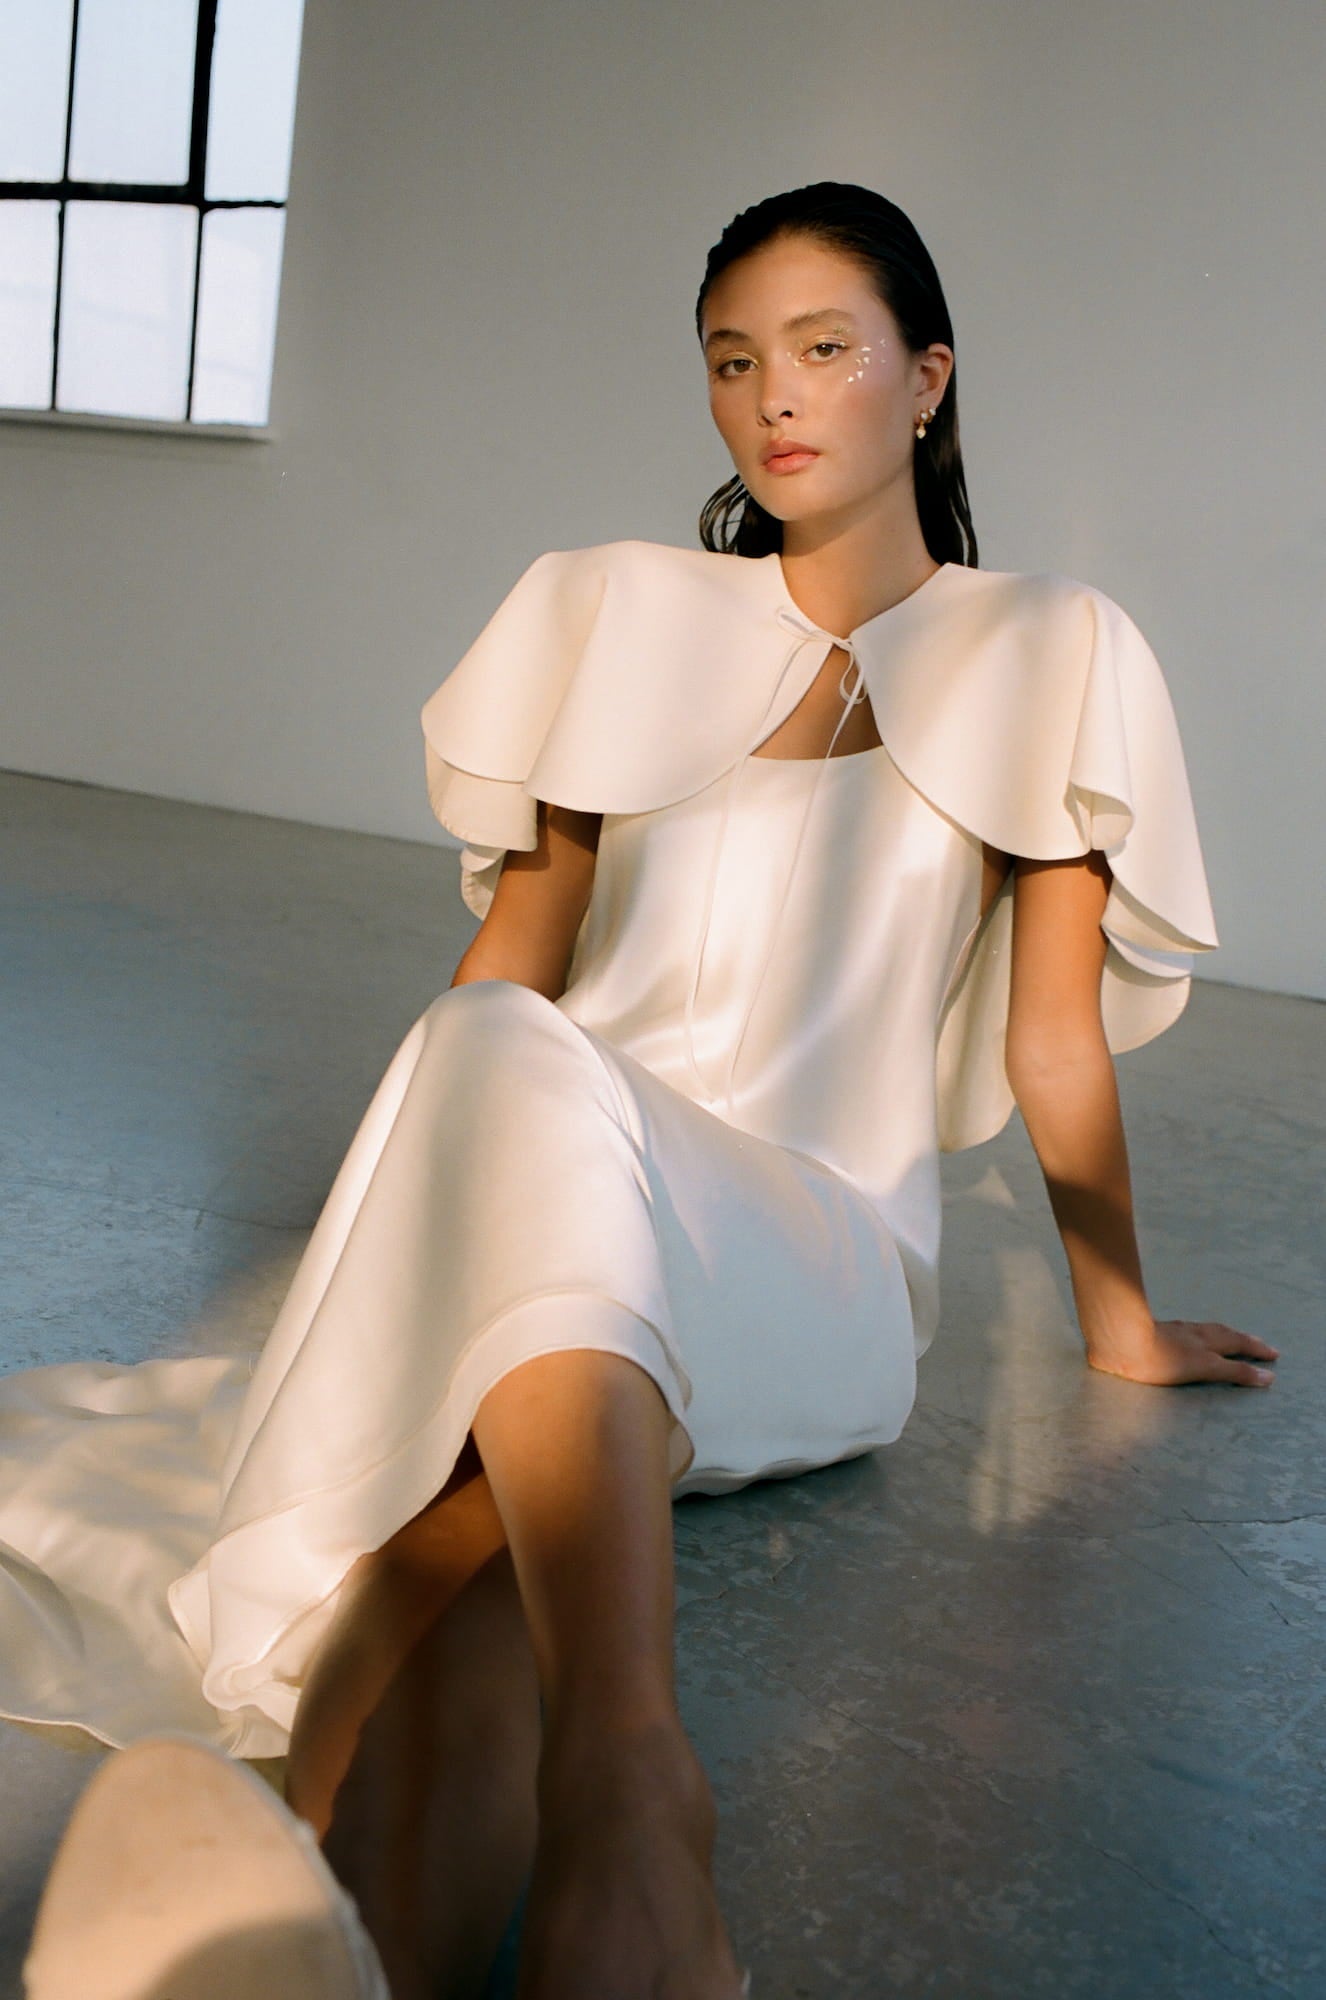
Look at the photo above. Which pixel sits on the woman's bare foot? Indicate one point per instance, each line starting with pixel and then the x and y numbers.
pixel 622 1903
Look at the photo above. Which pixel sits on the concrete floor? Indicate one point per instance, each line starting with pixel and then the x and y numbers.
pixel 1031 1703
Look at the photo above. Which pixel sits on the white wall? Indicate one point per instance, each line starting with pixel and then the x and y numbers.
pixel 498 222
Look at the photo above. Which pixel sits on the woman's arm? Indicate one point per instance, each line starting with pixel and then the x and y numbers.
pixel 538 905
pixel 1062 1075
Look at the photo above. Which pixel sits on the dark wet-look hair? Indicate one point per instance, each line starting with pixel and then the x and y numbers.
pixel 883 241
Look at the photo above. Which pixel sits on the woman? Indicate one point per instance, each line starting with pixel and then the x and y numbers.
pixel 798 858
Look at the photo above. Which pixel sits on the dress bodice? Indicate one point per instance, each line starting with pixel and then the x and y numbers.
pixel 633 680
pixel 823 973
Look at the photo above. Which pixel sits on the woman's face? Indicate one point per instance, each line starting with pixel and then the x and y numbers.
pixel 800 347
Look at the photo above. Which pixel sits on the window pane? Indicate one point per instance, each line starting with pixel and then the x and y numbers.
pixel 133 90
pixel 241 271
pixel 125 308
pixel 34 88
pixel 255 65
pixel 29 246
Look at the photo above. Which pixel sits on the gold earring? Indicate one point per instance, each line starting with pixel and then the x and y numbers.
pixel 927 417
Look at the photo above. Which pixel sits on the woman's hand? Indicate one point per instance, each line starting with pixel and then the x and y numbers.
pixel 1185 1350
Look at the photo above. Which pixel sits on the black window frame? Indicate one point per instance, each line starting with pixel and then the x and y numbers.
pixel 181 194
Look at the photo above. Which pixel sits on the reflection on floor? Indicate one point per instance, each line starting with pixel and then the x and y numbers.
pixel 1031 1702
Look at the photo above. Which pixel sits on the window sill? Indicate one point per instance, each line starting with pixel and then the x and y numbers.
pixel 85 420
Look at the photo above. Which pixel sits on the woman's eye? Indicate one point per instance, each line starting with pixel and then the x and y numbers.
pixel 742 362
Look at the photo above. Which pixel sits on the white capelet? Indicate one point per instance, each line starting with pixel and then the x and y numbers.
pixel 1028 708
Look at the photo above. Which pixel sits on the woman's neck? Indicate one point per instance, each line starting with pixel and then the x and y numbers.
pixel 843 576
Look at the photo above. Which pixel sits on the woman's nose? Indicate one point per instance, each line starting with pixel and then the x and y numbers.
pixel 779 400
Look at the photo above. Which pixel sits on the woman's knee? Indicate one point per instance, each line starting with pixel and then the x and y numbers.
pixel 484 1002
pixel 587 1408
pixel 490 1030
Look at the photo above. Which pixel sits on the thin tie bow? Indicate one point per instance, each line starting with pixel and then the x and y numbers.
pixel 805 630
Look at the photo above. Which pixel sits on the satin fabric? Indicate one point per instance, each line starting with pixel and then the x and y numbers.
pixel 716 1154
pixel 1028 707
pixel 837 1061
pixel 530 1175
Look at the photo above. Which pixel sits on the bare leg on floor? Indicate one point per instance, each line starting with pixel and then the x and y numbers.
pixel 390 1599
pixel 622 1901
pixel 416 1742
pixel 433 1828
pixel 571 1474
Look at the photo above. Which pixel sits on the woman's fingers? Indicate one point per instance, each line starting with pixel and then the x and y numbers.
pixel 1216 1353
pixel 1184 1350
pixel 1224 1368
pixel 1224 1345
pixel 1229 1340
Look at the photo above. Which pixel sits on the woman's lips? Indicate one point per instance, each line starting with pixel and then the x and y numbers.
pixel 790 461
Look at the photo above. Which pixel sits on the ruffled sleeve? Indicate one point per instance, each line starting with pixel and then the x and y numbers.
pixel 485 724
pixel 1059 737
pixel 613 678
pixel 1029 709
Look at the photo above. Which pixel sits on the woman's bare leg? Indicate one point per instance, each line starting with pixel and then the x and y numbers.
pixel 416 1742
pixel 390 1599
pixel 571 1471
pixel 433 1827
pixel 622 1901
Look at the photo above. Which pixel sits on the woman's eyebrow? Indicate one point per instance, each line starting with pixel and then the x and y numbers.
pixel 792 325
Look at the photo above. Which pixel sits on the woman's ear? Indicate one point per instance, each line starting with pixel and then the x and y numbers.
pixel 935 365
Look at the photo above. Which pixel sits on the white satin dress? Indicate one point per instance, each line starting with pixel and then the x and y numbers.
pixel 716 1154
pixel 675 1177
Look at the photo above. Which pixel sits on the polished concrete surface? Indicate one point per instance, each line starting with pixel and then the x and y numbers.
pixel 1032 1702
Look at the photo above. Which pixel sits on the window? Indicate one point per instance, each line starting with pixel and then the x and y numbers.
pixel 144 170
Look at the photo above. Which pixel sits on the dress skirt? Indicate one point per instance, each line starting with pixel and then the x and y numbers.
pixel 175 1533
